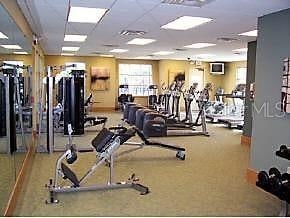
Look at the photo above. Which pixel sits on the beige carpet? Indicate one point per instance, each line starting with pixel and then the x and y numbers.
pixel 210 182
pixel 7 178
pixel 10 166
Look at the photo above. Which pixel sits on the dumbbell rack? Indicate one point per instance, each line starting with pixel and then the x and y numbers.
pixel 284 202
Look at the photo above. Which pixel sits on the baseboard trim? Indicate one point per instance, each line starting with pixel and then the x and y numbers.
pixel 251 176
pixel 103 109
pixel 246 140
pixel 20 180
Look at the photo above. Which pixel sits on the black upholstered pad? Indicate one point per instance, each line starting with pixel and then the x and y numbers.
pixel 102 139
pixel 69 174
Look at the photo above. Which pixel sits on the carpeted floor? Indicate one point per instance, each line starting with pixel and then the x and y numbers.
pixel 7 178
pixel 210 182
pixel 10 166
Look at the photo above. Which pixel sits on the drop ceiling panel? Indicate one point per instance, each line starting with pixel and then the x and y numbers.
pixel 92 3
pixel 230 18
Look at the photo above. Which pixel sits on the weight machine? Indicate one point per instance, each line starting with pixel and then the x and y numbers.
pixel 11 107
pixel 70 106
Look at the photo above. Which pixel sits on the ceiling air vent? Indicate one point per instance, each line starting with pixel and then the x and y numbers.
pixel 132 32
pixel 194 3
pixel 180 49
pixel 111 45
pixel 226 39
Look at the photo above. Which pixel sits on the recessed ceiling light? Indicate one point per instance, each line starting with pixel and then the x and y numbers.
pixel 199 45
pixel 3 36
pixel 119 50
pixel 20 52
pixel 241 50
pixel 205 55
pixel 140 41
pixel 250 33
pixel 75 38
pixel 67 54
pixel 163 53
pixel 86 15
pixel 11 46
pixel 106 55
pixel 186 22
pixel 70 48
pixel 143 57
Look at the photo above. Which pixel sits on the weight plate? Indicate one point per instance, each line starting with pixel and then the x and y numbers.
pixel 283 148
pixel 285 176
pixel 275 172
pixel 263 178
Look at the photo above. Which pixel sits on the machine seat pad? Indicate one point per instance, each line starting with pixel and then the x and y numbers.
pixel 125 136
pixel 89 119
pixel 102 139
pixel 69 174
pixel 102 118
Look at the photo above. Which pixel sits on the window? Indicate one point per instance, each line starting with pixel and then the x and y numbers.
pixel 241 77
pixel 197 76
pixel 19 63
pixel 137 76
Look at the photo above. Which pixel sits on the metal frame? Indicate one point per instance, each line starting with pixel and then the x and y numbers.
pixel 284 209
pixel 16 96
pixel 105 156
pixel 7 99
pixel 47 96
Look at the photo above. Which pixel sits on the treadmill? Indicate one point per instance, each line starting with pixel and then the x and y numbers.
pixel 235 118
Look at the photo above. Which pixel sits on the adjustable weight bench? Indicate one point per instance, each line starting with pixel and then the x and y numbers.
pixel 105 144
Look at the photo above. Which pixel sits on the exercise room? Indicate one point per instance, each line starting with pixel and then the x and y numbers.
pixel 144 108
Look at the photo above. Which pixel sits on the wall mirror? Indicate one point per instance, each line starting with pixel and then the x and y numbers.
pixel 15 103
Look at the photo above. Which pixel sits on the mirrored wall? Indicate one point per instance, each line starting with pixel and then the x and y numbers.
pixel 15 103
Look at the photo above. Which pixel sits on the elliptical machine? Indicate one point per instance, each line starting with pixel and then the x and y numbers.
pixel 124 96
pixel 153 99
pixel 188 97
pixel 159 125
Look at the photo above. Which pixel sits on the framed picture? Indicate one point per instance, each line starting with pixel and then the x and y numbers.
pixel 100 78
pixel 285 89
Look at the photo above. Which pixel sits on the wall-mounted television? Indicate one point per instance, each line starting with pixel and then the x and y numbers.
pixel 217 68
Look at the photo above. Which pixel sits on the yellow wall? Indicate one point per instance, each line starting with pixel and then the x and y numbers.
pixel 229 80
pixel 175 66
pixel 167 66
pixel 27 59
pixel 161 69
pixel 102 99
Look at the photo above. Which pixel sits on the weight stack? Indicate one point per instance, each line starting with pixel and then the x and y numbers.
pixel 74 103
pixel 2 109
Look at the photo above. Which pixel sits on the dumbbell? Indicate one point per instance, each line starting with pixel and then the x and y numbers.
pixel 283 148
pixel 281 186
pixel 71 155
pixel 284 152
pixel 265 179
